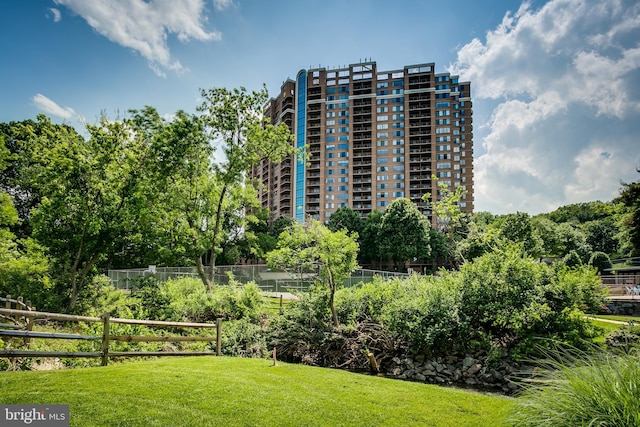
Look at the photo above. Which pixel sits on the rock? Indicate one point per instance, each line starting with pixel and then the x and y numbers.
pixel 420 377
pixel 474 369
pixel 457 375
pixel 420 358
pixel 471 381
pixel 467 361
pixel 396 360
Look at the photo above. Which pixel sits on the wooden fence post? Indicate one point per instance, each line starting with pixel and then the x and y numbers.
pixel 105 339
pixel 218 336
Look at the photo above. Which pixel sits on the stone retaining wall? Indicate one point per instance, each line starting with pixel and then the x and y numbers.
pixel 468 370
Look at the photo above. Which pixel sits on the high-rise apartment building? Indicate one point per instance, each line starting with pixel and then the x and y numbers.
pixel 371 136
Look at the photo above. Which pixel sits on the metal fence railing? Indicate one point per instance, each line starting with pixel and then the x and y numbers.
pixel 266 279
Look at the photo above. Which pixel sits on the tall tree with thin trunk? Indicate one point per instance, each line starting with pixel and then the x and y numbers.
pixel 236 124
pixel 312 247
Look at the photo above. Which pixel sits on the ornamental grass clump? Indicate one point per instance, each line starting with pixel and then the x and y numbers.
pixel 596 389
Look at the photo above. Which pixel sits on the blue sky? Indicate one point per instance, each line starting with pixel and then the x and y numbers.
pixel 555 85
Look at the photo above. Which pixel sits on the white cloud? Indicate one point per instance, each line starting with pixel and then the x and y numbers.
pixel 50 107
pixel 565 85
pixel 222 4
pixel 145 25
pixel 55 14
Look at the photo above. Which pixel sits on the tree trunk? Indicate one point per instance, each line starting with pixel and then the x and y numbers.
pixel 77 285
pixel 214 244
pixel 202 274
pixel 332 293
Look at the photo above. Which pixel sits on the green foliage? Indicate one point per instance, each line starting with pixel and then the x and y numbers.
pixel 235 118
pixel 244 338
pixel 601 235
pixel 445 204
pixel 404 233
pixel 625 338
pixel 582 389
pixel 518 228
pixel 600 261
pixel 629 199
pixel 370 251
pixel 572 259
pixel 311 247
pixel 25 271
pixel 515 300
pixel 346 218
pixel 503 300
pixel 186 299
pixel 580 213
pixel 426 313
pixel 100 297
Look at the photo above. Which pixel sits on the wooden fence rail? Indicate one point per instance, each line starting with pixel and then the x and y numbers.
pixel 106 338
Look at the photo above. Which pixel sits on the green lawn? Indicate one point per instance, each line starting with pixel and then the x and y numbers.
pixel 223 391
pixel 618 318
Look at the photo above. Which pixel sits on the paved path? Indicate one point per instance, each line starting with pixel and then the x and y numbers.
pixel 617 322
pixel 284 295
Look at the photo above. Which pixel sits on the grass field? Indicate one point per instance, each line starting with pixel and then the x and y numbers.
pixel 226 391
pixel 618 318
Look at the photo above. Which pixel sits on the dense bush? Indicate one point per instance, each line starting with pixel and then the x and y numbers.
pixel 186 299
pixel 600 261
pixel 504 300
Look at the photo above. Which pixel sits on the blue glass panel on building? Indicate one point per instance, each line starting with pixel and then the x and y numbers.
pixel 301 110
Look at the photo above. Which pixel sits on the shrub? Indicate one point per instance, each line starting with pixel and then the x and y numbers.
pixel 243 338
pixel 624 338
pixel 100 297
pixel 572 259
pixel 600 261
pixel 582 389
pixel 425 312
pixel 514 299
pixel 186 299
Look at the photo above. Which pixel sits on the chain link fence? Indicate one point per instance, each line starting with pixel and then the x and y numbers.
pixel 267 280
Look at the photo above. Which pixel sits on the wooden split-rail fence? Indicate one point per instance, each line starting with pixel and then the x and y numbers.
pixel 18 323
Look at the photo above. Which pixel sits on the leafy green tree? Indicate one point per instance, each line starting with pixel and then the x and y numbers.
pixel 92 192
pixel 600 261
pixel 370 251
pixel 452 225
pixel 235 122
pixel 17 178
pixel 479 240
pixel 601 235
pixel 280 224
pixel 572 259
pixel 580 213
pixel 404 233
pixel 629 198
pixel 446 205
pixel 347 219
pixel 313 247
pixel 24 267
pixel 518 227
pixel 572 238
